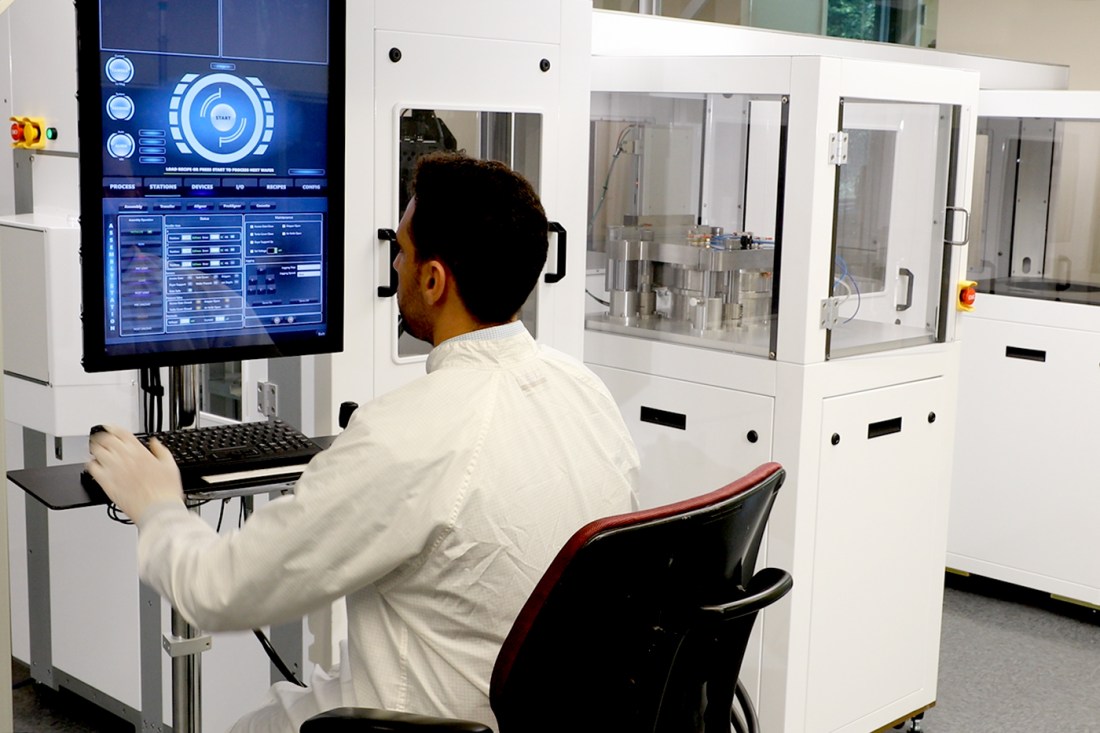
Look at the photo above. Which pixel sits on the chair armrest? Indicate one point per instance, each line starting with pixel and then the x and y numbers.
pixel 765 588
pixel 371 720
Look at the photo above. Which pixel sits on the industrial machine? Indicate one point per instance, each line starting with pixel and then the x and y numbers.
pixel 444 78
pixel 1021 505
pixel 773 250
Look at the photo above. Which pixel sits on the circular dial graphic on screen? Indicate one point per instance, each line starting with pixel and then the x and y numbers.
pixel 221 117
pixel 120 107
pixel 119 69
pixel 121 145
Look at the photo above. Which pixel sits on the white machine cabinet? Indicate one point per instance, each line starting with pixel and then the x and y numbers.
pixel 1022 504
pixel 773 250
pixel 505 81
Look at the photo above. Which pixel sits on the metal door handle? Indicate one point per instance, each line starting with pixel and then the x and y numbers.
pixel 388 291
pixel 553 277
pixel 966 230
pixel 908 274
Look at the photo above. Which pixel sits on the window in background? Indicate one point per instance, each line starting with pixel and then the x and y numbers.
pixel 715 11
pixel 908 22
pixel 890 21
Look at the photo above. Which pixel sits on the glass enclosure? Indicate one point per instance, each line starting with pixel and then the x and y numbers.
pixel 889 266
pixel 1036 194
pixel 220 387
pixel 514 139
pixel 684 218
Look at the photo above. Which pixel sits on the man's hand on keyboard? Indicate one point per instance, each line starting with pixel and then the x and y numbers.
pixel 133 476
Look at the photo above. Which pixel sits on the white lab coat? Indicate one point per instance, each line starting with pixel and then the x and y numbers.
pixel 435 512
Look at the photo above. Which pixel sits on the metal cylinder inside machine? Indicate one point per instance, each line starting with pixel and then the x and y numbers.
pixel 707 282
pixel 629 276
pixel 754 294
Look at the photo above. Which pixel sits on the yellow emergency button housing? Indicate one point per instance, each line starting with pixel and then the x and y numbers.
pixel 968 293
pixel 28 132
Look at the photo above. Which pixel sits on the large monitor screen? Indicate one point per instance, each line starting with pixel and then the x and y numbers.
pixel 211 166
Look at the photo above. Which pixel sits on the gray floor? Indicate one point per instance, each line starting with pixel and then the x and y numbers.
pixel 1015 660
pixel 1011 660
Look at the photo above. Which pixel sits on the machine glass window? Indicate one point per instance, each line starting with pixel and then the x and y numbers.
pixel 683 218
pixel 886 289
pixel 512 138
pixel 1035 192
pixel 220 387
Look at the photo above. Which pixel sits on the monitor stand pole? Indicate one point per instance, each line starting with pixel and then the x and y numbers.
pixel 186 642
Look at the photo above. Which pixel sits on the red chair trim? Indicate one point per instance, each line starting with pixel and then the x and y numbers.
pixel 582 536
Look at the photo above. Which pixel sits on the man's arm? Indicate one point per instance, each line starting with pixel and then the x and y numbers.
pixel 359 511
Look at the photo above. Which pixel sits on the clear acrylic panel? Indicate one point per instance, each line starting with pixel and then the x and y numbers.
pixel 514 139
pixel 220 387
pixel 891 204
pixel 684 217
pixel 1036 190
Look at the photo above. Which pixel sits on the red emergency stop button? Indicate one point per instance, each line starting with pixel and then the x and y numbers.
pixel 26 132
pixel 968 293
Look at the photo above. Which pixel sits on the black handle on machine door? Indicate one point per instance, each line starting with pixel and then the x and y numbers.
pixel 346 411
pixel 553 277
pixel 908 275
pixel 388 291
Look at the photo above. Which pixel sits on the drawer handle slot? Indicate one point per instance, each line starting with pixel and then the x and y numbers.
pixel 664 418
pixel 883 427
pixel 1016 352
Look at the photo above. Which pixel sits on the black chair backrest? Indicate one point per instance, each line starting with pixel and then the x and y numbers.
pixel 630 629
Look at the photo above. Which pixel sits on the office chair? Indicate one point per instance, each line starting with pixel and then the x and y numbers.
pixel 639 624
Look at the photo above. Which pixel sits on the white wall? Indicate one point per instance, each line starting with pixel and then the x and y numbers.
pixel 1052 31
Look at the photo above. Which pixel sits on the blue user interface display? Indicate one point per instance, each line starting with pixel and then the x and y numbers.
pixel 214 150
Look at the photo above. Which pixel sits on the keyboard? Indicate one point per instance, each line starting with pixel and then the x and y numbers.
pixel 203 453
pixel 216 456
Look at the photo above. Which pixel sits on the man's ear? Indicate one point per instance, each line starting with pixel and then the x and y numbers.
pixel 433 281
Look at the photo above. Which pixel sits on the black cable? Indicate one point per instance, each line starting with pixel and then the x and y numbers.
pixel 221 515
pixel 158 395
pixel 275 659
pixel 117 515
pixel 264 642
pixel 145 417
pixel 750 723
pixel 152 400
pixel 601 301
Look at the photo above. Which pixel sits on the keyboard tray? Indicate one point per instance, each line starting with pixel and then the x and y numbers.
pixel 240 447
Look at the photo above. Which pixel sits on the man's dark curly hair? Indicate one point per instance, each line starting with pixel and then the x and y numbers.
pixel 485 223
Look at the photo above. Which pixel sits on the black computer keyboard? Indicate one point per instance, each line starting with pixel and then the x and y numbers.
pixel 222 449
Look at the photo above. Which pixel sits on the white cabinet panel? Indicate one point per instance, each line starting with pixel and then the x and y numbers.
pixel 878 555
pixel 1024 499
pixel 713 446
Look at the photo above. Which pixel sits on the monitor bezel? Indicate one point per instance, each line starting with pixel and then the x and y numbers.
pixel 96 356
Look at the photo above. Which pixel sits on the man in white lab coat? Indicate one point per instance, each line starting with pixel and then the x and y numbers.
pixel 438 508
